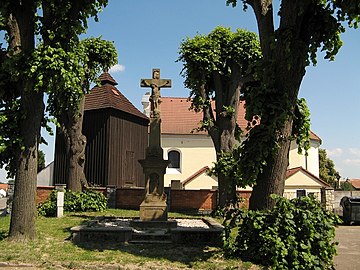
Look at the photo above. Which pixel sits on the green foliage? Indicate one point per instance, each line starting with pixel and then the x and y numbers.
pixel 220 52
pixel 57 66
pixel 41 160
pixel 327 169
pixel 295 234
pixel 301 126
pixel 89 201
pixel 71 69
pixel 347 186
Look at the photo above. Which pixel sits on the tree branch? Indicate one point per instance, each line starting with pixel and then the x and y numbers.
pixel 264 15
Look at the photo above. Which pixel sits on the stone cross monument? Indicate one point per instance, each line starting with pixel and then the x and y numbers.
pixel 154 208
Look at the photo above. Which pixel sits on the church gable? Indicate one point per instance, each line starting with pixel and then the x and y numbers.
pixel 300 177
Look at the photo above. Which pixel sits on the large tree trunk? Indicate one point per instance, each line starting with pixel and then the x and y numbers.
pixel 288 61
pixel 272 180
pixel 75 148
pixel 24 213
pixel 224 137
pixel 226 185
pixel 21 32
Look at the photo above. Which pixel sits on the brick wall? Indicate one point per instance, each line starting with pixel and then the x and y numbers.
pixel 43 193
pixel 245 195
pixel 193 199
pixel 129 198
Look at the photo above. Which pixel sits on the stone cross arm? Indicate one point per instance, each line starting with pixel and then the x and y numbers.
pixel 155 82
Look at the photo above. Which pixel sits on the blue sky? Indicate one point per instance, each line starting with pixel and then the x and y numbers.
pixel 147 35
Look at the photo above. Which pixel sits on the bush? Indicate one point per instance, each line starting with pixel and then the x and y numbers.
pixel 296 234
pixel 74 202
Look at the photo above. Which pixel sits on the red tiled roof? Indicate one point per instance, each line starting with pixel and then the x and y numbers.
pixel 314 137
pixel 4 186
pixel 292 171
pixel 355 183
pixel 108 96
pixel 176 118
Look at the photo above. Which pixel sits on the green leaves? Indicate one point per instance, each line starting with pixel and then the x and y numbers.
pixel 66 73
pixel 327 169
pixel 91 201
pixel 221 51
pixel 296 234
pixel 301 126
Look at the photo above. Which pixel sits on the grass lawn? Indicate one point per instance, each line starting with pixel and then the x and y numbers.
pixel 52 249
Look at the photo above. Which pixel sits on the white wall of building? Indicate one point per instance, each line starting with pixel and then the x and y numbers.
pixel 45 176
pixel 309 162
pixel 196 152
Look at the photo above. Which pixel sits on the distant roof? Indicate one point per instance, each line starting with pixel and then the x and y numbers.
pixel 292 171
pixel 176 118
pixel 355 183
pixel 108 96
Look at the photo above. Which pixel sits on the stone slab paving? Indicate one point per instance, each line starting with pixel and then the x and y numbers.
pixel 348 257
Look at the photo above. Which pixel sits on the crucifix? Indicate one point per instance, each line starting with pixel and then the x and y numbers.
pixel 154 207
pixel 155 99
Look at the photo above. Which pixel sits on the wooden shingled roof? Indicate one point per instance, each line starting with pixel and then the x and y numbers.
pixel 108 96
pixel 176 118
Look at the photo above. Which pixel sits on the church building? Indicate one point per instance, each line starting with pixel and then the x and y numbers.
pixel 191 153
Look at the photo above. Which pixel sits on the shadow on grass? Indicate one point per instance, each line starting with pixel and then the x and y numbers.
pixel 175 253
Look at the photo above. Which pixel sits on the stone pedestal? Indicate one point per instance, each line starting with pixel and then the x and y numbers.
pixel 153 207
pixel 153 210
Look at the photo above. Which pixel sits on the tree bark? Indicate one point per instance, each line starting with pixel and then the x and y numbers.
pixel 21 29
pixel 75 147
pixel 224 139
pixel 272 180
pixel 23 215
pixel 288 61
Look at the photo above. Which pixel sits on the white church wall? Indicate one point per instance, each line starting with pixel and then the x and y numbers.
pixel 196 152
pixel 309 162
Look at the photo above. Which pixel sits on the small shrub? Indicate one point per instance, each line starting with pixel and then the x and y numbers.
pixel 89 200
pixel 296 234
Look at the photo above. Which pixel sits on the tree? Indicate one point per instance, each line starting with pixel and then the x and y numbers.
pixel 90 57
pixel 347 186
pixel 22 89
pixel 327 169
pixel 215 68
pixel 304 27
pixel 40 161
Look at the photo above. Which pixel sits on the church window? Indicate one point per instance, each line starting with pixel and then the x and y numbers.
pixel 174 158
pixel 300 193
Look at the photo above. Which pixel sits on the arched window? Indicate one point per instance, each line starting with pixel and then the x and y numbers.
pixel 174 158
